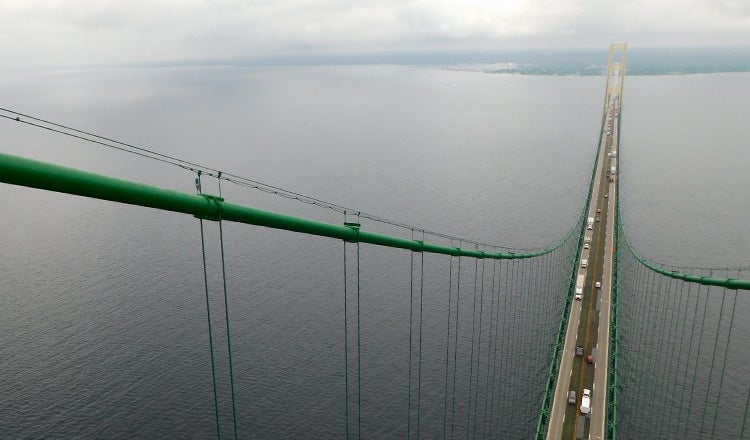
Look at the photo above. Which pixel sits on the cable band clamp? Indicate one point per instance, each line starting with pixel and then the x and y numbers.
pixel 213 210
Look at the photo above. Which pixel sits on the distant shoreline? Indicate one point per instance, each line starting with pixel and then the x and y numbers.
pixel 554 62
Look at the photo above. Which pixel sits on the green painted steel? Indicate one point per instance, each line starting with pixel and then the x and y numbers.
pixel 35 174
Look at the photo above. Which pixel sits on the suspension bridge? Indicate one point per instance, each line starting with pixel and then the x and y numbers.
pixel 482 340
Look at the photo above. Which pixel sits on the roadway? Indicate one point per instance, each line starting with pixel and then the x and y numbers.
pixel 589 318
pixel 601 363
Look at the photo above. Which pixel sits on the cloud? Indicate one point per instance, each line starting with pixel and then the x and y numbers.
pixel 111 31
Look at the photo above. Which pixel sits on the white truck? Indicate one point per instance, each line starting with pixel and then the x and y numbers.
pixel 590 223
pixel 579 287
pixel 586 401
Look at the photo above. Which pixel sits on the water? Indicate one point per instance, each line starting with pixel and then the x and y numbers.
pixel 685 203
pixel 104 327
pixel 684 187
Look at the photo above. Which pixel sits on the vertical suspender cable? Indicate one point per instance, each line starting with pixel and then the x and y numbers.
pixel 744 419
pixel 346 347
pixel 226 316
pixel 697 357
pixel 690 350
pixel 473 329
pixel 713 359
pixel 678 358
pixel 525 334
pixel 479 347
pixel 682 318
pixel 492 351
pixel 667 316
pixel 494 412
pixel 647 317
pixel 208 316
pixel 411 320
pixel 419 368
pixel 447 343
pixel 724 364
pixel 511 276
pixel 508 323
pixel 489 350
pixel 359 352
pixel 455 344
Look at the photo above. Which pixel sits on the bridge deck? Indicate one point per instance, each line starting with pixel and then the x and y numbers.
pixel 589 318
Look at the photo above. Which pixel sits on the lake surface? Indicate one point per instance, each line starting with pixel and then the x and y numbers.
pixel 104 324
pixel 684 190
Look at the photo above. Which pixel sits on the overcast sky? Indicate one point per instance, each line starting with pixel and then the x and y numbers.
pixel 74 32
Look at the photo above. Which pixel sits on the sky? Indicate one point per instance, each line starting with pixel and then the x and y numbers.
pixel 91 32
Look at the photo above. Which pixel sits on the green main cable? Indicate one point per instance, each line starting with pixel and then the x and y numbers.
pixel 729 283
pixel 36 174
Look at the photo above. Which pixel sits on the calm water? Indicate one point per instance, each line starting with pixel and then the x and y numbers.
pixel 104 325
pixel 685 189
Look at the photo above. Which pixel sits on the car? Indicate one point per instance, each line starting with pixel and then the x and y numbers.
pixel 598 285
pixel 585 245
pixel 579 350
pixel 598 210
pixel 572 398
pixel 589 359
pixel 586 401
pixel 606 195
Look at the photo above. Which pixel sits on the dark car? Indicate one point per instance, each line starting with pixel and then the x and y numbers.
pixel 590 359
pixel 572 400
